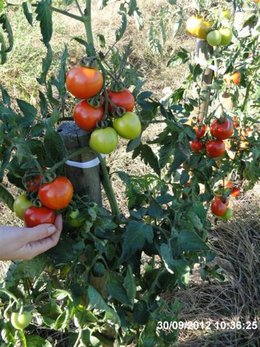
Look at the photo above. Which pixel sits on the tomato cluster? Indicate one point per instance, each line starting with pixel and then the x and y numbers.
pixel 216 32
pixel 53 196
pixel 220 129
pixel 104 111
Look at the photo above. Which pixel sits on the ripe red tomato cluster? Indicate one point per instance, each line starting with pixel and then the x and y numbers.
pixel 86 83
pixel 53 196
pixel 220 129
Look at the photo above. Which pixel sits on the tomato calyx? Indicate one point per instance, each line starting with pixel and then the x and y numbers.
pixel 88 61
pixel 96 101
pixel 116 86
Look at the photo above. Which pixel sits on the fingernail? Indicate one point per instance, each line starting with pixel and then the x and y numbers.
pixel 51 229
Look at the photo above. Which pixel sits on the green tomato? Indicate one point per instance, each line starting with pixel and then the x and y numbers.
pixel 21 204
pixel 21 320
pixel 103 140
pixel 226 36
pixel 214 38
pixel 128 126
pixel 228 214
pixel 75 219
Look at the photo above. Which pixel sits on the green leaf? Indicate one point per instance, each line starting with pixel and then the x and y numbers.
pixel 148 337
pixel 5 96
pixel 129 285
pixel 33 341
pixel 54 146
pixel 134 238
pixel 29 112
pixel 116 290
pixel 6 197
pixel 44 16
pixel 43 104
pixel 3 54
pixel 120 31
pixel 8 30
pixel 148 156
pixel 27 10
pixel 46 64
pixel 96 301
pixel 191 242
pixel 140 313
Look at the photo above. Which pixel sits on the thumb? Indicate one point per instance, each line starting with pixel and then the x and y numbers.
pixel 39 232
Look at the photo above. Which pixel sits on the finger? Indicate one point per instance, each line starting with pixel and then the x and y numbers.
pixel 58 222
pixel 37 247
pixel 39 232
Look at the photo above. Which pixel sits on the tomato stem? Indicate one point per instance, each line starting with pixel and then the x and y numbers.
pixel 108 188
pixel 88 28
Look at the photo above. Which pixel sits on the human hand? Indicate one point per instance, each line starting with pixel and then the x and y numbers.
pixel 25 243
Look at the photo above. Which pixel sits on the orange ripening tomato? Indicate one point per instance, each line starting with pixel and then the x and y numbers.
pixel 229 185
pixel 219 206
pixel 235 192
pixel 122 98
pixel 86 116
pixel 236 77
pixel 200 130
pixel 84 82
pixel 56 194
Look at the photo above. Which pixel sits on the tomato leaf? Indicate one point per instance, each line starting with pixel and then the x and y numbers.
pixel 46 64
pixel 5 96
pixel 120 31
pixel 32 341
pixel 27 10
pixel 134 238
pixel 6 197
pixel 191 242
pixel 148 156
pixel 44 16
pixel 96 301
pixel 29 112
pixel 129 285
pixel 8 29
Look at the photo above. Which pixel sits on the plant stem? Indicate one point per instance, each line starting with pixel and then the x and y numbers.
pixel 79 8
pixel 108 188
pixel 88 27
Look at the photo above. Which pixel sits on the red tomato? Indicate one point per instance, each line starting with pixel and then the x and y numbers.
pixel 123 98
pixel 236 77
pixel 196 146
pixel 222 129
pixel 84 82
pixel 219 206
pixel 56 194
pixel 215 148
pixel 86 116
pixel 38 215
pixel 235 192
pixel 33 184
pixel 200 130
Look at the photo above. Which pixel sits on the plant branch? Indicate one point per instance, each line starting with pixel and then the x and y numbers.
pixel 108 188
pixel 79 8
pixel 88 27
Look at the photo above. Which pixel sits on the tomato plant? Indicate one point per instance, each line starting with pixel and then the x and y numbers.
pixel 87 116
pixel 128 126
pixel 21 203
pixel 57 194
pixel 84 82
pixel 34 216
